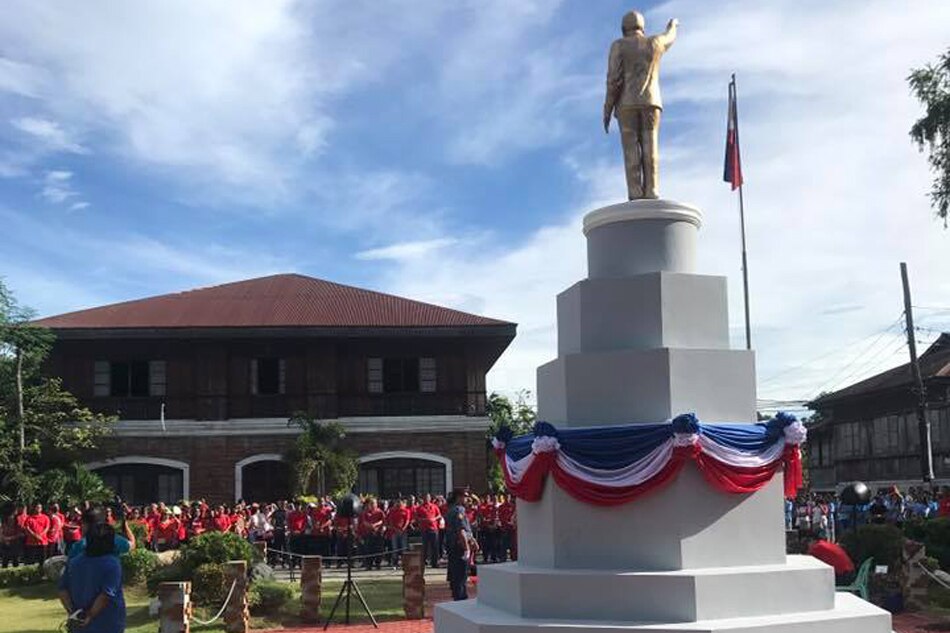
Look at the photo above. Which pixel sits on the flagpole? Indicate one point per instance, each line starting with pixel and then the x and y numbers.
pixel 745 262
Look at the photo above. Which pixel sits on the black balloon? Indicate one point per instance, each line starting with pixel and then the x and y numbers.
pixel 855 494
pixel 349 506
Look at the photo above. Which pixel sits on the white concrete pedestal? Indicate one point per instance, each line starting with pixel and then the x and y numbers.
pixel 641 340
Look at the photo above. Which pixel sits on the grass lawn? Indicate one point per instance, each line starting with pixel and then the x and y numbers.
pixel 36 609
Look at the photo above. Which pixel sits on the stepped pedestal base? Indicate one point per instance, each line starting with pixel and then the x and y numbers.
pixel 849 615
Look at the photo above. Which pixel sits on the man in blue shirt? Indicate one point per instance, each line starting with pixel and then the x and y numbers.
pixel 92 584
pixel 90 518
pixel 458 544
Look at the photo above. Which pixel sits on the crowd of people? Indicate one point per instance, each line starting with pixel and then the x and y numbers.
pixel 380 531
pixel 825 515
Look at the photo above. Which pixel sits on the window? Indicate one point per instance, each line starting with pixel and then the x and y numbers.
pixel 391 478
pixel 427 375
pixel 401 375
pixel 375 375
pixel 268 376
pixel 123 379
pixel 847 440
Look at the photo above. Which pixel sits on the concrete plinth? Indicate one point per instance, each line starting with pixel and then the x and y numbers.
pixel 641 340
pixel 849 615
pixel 685 525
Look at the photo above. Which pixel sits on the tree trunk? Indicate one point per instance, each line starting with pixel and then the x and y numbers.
pixel 19 401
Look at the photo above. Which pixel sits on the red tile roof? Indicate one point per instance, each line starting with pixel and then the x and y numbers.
pixel 288 300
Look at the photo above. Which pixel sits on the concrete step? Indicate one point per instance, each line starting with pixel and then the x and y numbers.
pixel 803 583
pixel 849 615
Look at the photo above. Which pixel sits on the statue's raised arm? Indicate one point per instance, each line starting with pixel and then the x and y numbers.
pixel 633 96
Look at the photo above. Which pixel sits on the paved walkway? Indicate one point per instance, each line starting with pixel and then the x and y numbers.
pixel 903 623
pixel 918 623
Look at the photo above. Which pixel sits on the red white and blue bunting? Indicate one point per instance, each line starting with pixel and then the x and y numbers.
pixel 611 465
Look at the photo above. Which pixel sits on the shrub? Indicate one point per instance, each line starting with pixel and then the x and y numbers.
pixel 169 573
pixel 214 547
pixel 138 565
pixel 140 533
pixel 269 596
pixel 883 542
pixel 209 586
pixel 21 576
pixel 935 535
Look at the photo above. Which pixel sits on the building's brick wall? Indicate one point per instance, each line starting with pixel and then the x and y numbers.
pixel 212 459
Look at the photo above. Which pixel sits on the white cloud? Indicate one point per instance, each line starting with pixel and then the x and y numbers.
pixel 57 186
pixel 407 250
pixel 78 206
pixel 49 133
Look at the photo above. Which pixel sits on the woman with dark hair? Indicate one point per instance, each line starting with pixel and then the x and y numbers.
pixel 90 588
pixel 11 540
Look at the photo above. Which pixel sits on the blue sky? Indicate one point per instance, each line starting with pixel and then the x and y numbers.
pixel 446 151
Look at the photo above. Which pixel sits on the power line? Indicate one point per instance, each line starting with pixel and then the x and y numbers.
pixel 872 363
pixel 832 352
pixel 835 378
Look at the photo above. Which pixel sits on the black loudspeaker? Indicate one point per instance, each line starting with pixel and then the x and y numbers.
pixel 350 506
pixel 856 494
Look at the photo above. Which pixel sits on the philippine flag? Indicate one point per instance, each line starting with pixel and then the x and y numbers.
pixel 732 169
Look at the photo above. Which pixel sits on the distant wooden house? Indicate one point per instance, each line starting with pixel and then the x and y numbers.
pixel 868 431
pixel 203 383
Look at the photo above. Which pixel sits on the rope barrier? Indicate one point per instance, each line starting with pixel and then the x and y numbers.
pixel 933 576
pixel 381 554
pixel 223 606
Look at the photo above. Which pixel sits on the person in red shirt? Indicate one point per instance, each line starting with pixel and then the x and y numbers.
pixel 220 521
pixel 344 533
pixel 36 527
pixel 943 504
pixel 370 532
pixel 72 528
pixel 507 524
pixel 321 523
pixel 397 522
pixel 55 535
pixel 297 521
pixel 834 555
pixel 166 534
pixel 428 517
pixel 21 515
pixel 487 517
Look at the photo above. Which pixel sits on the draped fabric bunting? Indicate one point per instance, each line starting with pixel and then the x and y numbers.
pixel 611 465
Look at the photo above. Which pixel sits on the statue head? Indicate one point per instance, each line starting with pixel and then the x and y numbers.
pixel 632 21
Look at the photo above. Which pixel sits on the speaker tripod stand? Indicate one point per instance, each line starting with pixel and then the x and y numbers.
pixel 349 587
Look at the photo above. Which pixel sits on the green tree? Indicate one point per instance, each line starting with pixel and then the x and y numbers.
pixel 42 426
pixel 318 454
pixel 931 86
pixel 519 416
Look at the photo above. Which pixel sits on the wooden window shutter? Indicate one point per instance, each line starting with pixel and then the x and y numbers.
pixel 101 378
pixel 427 375
pixel 374 375
pixel 156 378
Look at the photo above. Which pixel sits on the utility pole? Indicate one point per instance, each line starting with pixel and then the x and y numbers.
pixel 923 424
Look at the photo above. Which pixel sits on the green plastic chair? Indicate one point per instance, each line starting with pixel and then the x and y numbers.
pixel 860 583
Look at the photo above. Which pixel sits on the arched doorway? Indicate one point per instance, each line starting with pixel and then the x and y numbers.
pixel 396 473
pixel 140 480
pixel 262 478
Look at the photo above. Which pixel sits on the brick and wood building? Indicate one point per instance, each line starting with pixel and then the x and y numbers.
pixel 203 383
pixel 868 431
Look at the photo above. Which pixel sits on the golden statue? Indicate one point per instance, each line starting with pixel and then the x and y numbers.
pixel 633 96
